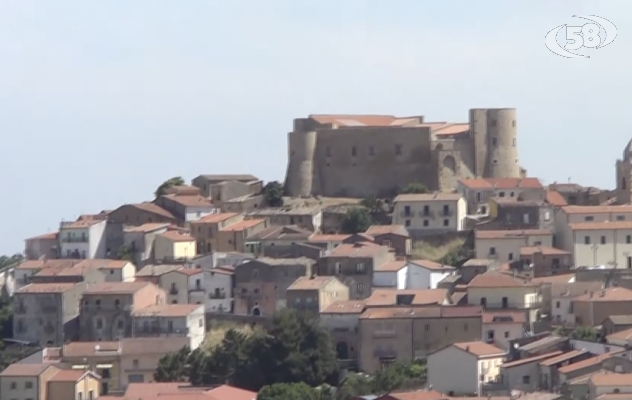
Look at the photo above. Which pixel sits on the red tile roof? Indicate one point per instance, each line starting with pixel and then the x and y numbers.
pixel 528 360
pixel 345 307
pixel 502 183
pixel 480 349
pixel 176 237
pixel 609 294
pixel 555 199
pixel 243 225
pixel 497 280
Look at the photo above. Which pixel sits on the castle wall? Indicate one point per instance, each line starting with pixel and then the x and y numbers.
pixel 361 162
pixel 300 179
pixel 455 160
pixel 495 139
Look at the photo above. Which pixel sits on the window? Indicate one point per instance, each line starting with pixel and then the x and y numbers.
pixel 494 122
pixel 120 324
pixel 99 323
pixel 360 288
pixel 354 151
pixel 483 301
pixel 426 210
pixel 620 217
pixel 557 304
pixel 589 218
pixel 255 273
pixel 495 141
pixel 526 379
pixel 117 303
pixel 603 240
pixel 83 254
pixel 328 151
pixel 398 149
pixel 446 209
pixel 135 363
pixel 479 197
pixel 492 251
pixel 360 267
pixel 136 378
pixel 628 239
pixel 339 268
pixel 586 239
pixel 446 222
pixel 80 396
pixel 510 256
pixel 256 290
pixel 97 302
pixel 506 334
pixel 201 322
pixel 91 393
pixel 406 210
pixel 505 302
pixel 465 327
pixel 427 327
pixel 407 222
pixel 514 139
pixel 525 218
pixel 105 389
pixel 512 194
pixel 371 151
pixel 105 373
pixel 426 222
pixel 14 385
pixel 501 194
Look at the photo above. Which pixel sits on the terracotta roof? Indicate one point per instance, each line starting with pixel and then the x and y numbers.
pixel 480 349
pixel 359 249
pixel 403 312
pixel 391 266
pixel 388 297
pixel 143 390
pixel 189 271
pixel 504 317
pixel 214 218
pixel 243 225
pixel 224 270
pixel 614 396
pixel 288 232
pixel 153 209
pixel 25 369
pixel 146 227
pixel 46 288
pixel 362 120
pixel 39 264
pixel 167 310
pixel 329 238
pixel 528 360
pixel 562 278
pixel 563 357
pixel 609 294
pixel 502 183
pixel 115 287
pixel 555 198
pixel 46 236
pixel 158 269
pixel 226 392
pixel 497 280
pixel 69 375
pixel 597 209
pixel 592 226
pixel 611 379
pixel 312 283
pixel 545 250
pixel 189 200
pixel 104 263
pixel 75 270
pixel 621 335
pixel 345 307
pixel 378 230
pixel 176 237
pixel 431 265
pixel 81 223
pixel 451 129
pixel 418 395
pixel 89 349
pixel 510 234
pixel 428 197
pixel 573 289
pixel 589 362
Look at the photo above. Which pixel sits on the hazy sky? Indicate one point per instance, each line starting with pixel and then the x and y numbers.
pixel 102 101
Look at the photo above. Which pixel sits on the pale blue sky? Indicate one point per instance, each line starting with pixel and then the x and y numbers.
pixel 102 101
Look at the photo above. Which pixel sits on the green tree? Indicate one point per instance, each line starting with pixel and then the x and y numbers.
pixel 584 333
pixel 162 189
pixel 373 204
pixel 124 254
pixel 355 385
pixel 288 391
pixel 5 261
pixel 173 367
pixel 356 219
pixel 273 193
pixel 414 188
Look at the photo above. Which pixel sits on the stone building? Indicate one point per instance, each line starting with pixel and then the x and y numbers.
pixel 106 308
pixel 316 293
pixel 363 155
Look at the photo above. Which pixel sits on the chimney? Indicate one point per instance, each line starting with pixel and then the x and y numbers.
pixel 602 293
pixel 467 348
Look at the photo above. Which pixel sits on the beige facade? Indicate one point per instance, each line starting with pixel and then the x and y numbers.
pixel 206 181
pixel 170 246
pixel 602 243
pixel 545 261
pixel 43 246
pixel 171 320
pixel 309 218
pixel 74 384
pixel 424 214
pixel 312 293
pixel 176 284
pixel 26 381
pixel 504 246
pixel 206 229
pixel 592 309
pixel 403 334
pixel 478 192
pixel 234 237
pixel 342 320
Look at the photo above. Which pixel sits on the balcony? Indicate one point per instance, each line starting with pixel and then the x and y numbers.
pixel 72 239
pixel 173 291
pixel 426 214
pixel 197 289
pixel 217 296
pixel 447 213
pixel 384 334
pixel 405 214
pixel 512 305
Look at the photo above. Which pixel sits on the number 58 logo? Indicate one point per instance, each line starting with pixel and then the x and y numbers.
pixel 595 35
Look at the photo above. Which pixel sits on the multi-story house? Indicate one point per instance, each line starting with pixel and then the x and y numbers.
pixel 139 241
pixel 261 285
pixel 75 274
pixel 113 270
pixel 475 363
pixel 500 327
pixel 409 298
pixel 205 230
pixel 82 239
pixel 562 295
pixel 426 214
pixel 354 264
pixel 496 290
pixel 140 214
pixel 46 313
pixel 477 192
pixel 219 283
pixel 43 246
pixel 504 246
pixel 187 207
pixel 309 218
pixel 234 237
pixel 315 293
pixel 171 320
pixel 426 274
pixel 226 191
pixel 27 269
pixel 393 334
pixel 342 320
pixel 540 261
pixel 76 384
pixel 172 246
pixel 277 241
pixel 106 308
pixel 184 286
pixel 513 213
pixel 396 237
pixel 205 182
pixel 591 309
pixel 153 272
pixel 27 381
pixel 601 243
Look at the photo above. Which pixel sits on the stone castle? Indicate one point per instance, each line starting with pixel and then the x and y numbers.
pixel 376 155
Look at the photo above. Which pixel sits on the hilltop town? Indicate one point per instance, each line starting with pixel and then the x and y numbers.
pixel 399 259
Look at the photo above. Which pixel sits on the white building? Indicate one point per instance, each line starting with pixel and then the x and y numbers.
pixel 562 295
pixel 171 320
pixel 82 239
pixel 524 374
pixel 500 327
pixel 219 283
pixel 462 368
pixel 391 274
pixel 426 274
pixel 602 243
pixel 504 246
pixel 114 270
pixel 477 191
pixel 424 214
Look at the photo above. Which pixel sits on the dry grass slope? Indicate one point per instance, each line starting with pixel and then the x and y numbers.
pixel 217 333
pixel 435 252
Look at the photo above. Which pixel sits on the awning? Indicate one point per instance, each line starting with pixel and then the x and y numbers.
pixel 104 366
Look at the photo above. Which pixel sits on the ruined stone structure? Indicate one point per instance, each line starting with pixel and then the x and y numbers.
pixel 364 155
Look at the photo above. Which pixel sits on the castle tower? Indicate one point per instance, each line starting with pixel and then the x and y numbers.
pixel 299 178
pixel 494 136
